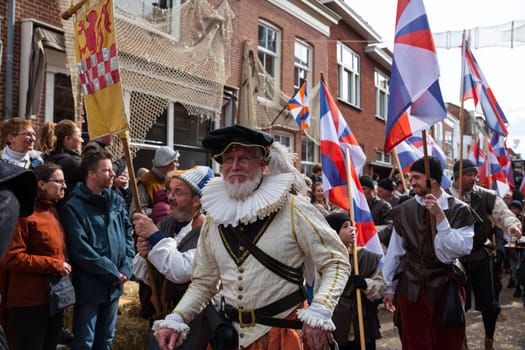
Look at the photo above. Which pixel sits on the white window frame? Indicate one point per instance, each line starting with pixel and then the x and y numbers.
pixel 383 157
pixel 299 66
pixel 276 55
pixel 438 134
pixel 448 143
pixel 279 136
pixel 382 82
pixel 170 125
pixel 349 75
pixel 313 158
pixel 51 70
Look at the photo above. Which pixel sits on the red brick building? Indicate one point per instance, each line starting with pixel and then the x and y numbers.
pixel 359 75
pixel 292 41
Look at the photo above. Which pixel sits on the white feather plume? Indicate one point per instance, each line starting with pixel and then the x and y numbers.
pixel 281 160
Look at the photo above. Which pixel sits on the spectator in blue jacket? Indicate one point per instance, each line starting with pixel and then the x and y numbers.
pixel 100 243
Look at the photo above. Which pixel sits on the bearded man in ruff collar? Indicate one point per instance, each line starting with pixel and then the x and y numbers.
pixel 255 198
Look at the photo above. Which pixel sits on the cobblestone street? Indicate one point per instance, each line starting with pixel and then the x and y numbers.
pixel 510 329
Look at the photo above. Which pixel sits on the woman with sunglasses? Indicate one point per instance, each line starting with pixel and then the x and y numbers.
pixel 36 252
pixel 18 141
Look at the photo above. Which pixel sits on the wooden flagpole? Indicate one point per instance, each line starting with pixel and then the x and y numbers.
pixel 488 172
pixel 427 175
pixel 461 118
pixel 354 250
pixel 73 9
pixel 398 164
pixel 155 299
pixel 286 105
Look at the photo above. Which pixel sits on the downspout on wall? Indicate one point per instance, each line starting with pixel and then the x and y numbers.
pixel 9 59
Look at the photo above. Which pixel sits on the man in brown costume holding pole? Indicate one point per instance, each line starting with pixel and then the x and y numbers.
pixel 418 261
pixel 478 263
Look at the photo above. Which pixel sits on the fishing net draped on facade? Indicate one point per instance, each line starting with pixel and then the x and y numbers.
pixel 165 55
pixel 262 104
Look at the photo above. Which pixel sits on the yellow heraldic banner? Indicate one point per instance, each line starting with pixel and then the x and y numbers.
pixel 98 69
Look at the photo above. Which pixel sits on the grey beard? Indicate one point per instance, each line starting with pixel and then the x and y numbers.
pixel 243 190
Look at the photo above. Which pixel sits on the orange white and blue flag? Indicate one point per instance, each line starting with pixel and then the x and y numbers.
pixel 336 138
pixel 415 101
pixel 299 107
pixel 98 69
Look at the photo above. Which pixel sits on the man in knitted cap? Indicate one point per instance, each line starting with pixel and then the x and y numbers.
pixel 385 191
pixel 165 160
pixel 170 246
pixel 417 262
pixel 478 263
pixel 255 240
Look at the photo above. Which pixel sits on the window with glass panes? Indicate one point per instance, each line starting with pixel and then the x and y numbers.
pixel 309 151
pixel 382 83
pixel 173 127
pixel 302 63
pixel 284 140
pixel 348 63
pixel 268 50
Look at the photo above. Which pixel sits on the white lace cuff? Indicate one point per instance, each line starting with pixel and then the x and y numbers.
pixel 317 316
pixel 173 321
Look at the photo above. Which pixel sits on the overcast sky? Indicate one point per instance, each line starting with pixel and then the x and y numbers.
pixel 504 68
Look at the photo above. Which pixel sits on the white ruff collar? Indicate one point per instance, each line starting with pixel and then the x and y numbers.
pixel 268 198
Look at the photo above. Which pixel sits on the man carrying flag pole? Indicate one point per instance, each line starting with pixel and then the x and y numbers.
pixel 415 96
pixel 415 104
pixel 417 267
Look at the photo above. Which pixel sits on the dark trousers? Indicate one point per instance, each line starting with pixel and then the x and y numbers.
pixel 480 283
pixel 422 326
pixel 34 329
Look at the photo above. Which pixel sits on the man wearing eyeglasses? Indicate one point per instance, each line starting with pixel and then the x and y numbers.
pixel 170 247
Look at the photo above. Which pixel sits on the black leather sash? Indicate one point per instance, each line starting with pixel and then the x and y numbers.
pixel 263 315
pixel 291 274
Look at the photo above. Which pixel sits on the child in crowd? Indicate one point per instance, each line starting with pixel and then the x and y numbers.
pixel 371 283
